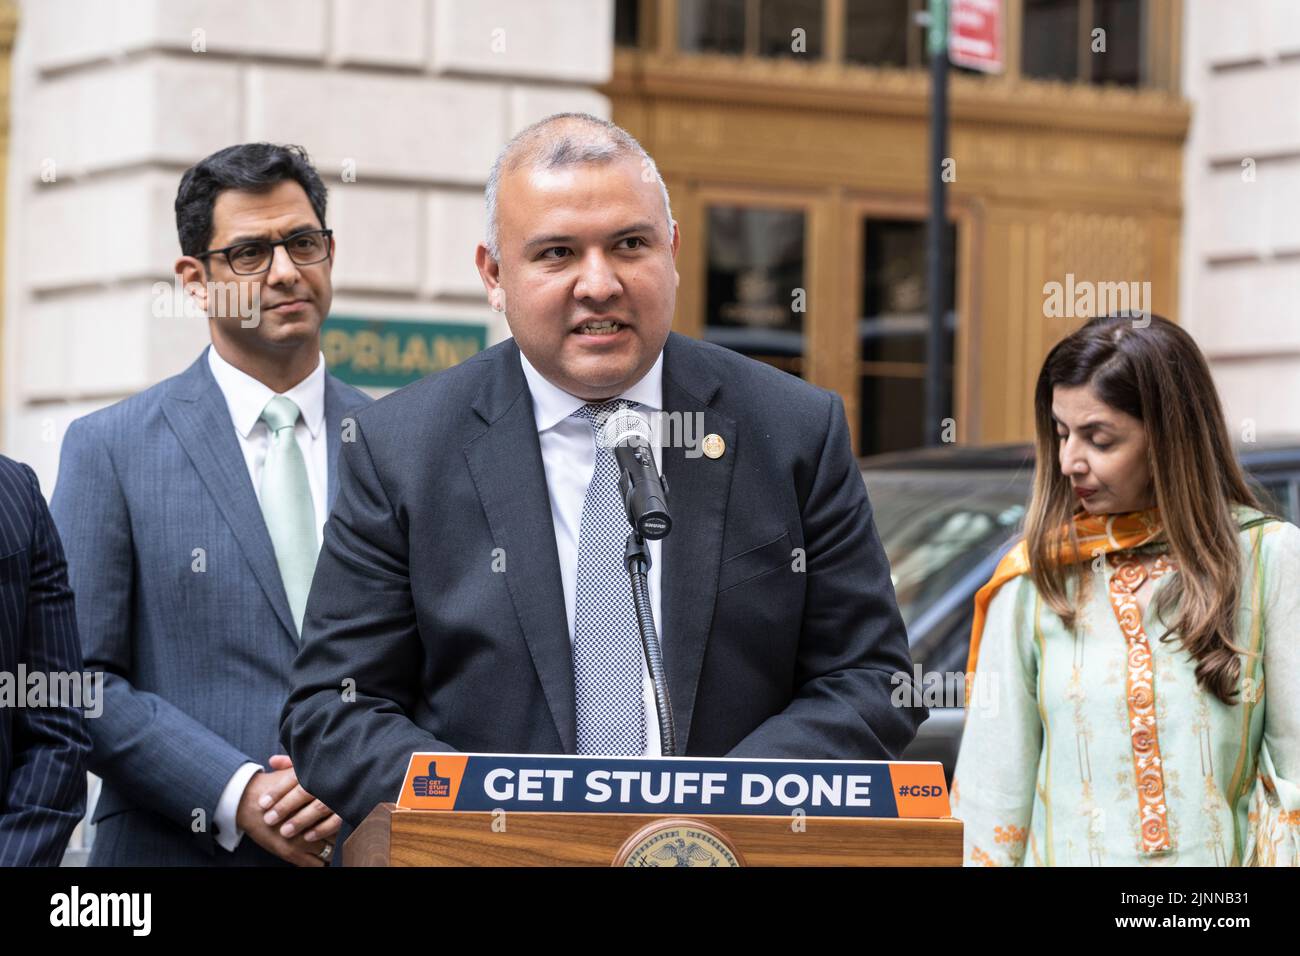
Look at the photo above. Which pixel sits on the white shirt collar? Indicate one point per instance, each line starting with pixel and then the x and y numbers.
pixel 552 405
pixel 246 397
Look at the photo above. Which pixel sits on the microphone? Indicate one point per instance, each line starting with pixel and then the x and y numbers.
pixel 645 493
pixel 645 496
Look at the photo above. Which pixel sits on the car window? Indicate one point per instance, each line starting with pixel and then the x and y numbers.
pixel 936 527
pixel 1276 493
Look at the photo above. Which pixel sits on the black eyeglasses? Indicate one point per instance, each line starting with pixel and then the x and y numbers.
pixel 253 257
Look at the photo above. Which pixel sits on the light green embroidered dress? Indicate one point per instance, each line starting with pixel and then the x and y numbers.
pixel 1046 774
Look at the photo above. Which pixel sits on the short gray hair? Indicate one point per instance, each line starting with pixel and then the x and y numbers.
pixel 565 139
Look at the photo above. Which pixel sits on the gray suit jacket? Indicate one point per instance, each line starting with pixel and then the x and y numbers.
pixel 765 657
pixel 180 603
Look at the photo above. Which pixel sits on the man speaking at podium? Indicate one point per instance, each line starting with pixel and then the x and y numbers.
pixel 471 593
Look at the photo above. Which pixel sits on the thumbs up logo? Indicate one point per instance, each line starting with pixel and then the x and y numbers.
pixel 432 785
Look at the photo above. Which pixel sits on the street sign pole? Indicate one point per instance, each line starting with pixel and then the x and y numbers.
pixel 936 359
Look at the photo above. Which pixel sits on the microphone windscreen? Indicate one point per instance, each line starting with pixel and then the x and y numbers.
pixel 627 426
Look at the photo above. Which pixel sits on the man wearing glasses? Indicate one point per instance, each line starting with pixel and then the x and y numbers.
pixel 192 516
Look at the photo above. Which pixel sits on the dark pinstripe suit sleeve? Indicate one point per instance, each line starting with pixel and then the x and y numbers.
pixel 43 757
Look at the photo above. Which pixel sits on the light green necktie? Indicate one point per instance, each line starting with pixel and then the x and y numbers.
pixel 287 505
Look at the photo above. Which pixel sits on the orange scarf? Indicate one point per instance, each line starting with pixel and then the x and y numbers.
pixel 1096 534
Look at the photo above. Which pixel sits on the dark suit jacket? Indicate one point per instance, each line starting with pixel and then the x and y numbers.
pixel 179 601
pixel 445 653
pixel 42 749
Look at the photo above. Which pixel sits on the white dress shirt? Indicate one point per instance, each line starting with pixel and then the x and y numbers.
pixel 246 397
pixel 569 457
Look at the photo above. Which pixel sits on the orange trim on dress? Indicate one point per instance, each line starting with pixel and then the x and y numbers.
pixel 1153 816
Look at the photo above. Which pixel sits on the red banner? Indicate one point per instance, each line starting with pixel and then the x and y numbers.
pixel 975 34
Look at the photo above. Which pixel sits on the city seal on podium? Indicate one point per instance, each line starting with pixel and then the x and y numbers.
pixel 678 843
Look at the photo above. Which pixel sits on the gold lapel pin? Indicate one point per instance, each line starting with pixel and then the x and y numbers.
pixel 714 446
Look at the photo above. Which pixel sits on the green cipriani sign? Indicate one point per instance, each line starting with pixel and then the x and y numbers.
pixel 390 353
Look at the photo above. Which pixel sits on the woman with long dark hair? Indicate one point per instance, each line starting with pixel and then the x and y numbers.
pixel 1135 660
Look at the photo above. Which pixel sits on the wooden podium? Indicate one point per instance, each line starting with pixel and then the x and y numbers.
pixel 397 836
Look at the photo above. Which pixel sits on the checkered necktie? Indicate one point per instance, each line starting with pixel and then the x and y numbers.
pixel 606 641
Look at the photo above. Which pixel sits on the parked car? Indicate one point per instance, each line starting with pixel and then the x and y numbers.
pixel 947 515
